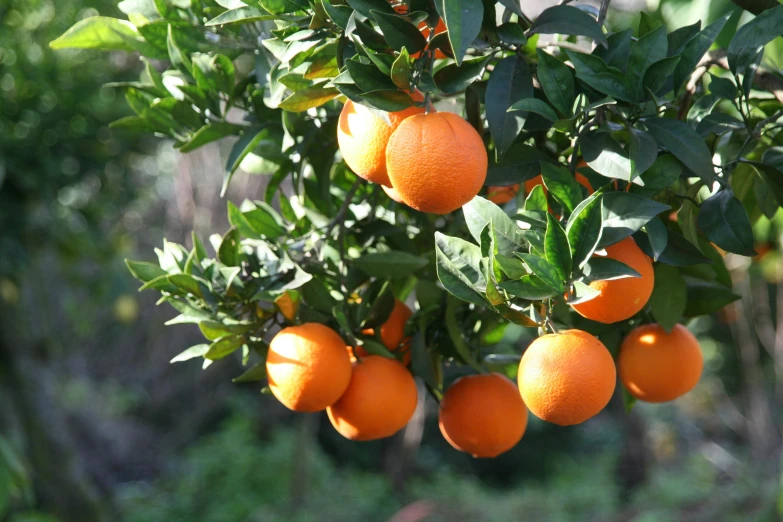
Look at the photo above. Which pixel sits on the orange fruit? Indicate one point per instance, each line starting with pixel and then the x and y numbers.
pixel 436 162
pixel 287 305
pixel 392 193
pixel 392 332
pixel 620 298
pixel 308 367
pixel 362 137
pixel 483 415
pixel 502 195
pixel 656 366
pixel 566 378
pixel 379 401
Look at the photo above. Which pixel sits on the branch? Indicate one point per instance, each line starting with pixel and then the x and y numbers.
pixel 605 8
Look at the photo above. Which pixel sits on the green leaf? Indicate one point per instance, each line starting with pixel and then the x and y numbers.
pixel 647 50
pixel 212 330
pixel 257 372
pixel 647 24
pixel 144 272
pixel 593 71
pixel 680 37
pixel 224 346
pixel 176 56
pixel 584 229
pixel 642 151
pixel 566 19
pixel 678 251
pixel 188 283
pixel 751 38
pixel 309 98
pixel 723 87
pixel 241 15
pixel 556 81
pixel 723 219
pixel 209 133
pixel 520 163
pixel 536 200
pixel 378 307
pixel 391 264
pixel 213 73
pixel 198 350
pixel 687 146
pixel 529 287
pixel 657 235
pixel 562 185
pixel 512 267
pixel 479 212
pixel 401 71
pixel 463 22
pixel 605 156
pixel 400 33
pixel 707 298
pixel 366 7
pixel 663 173
pixel 657 73
pixel 718 123
pixel 425 364
pixel 340 14
pixel 607 269
pixel 455 334
pixel 616 55
pixel 510 82
pixel 389 101
pixel 228 251
pixel 669 296
pixel 456 78
pixel 277 7
pixel 542 268
pixel 625 213
pixel 695 50
pixel 258 223
pixel 512 33
pixel 771 170
pixel 686 216
pixel 582 293
pixel 104 34
pixel 534 105
pixel 458 266
pixel 251 138
pixel 556 248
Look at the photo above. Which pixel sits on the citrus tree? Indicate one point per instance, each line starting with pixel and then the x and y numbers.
pixel 440 169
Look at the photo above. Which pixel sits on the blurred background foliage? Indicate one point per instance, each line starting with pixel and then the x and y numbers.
pixel 95 426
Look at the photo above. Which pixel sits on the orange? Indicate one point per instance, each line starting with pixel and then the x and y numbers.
pixel 437 162
pixel 362 137
pixel 483 415
pixel 656 366
pixel 392 193
pixel 566 378
pixel 287 305
pixel 379 401
pixel 620 298
pixel 308 367
pixel 502 195
pixel 392 331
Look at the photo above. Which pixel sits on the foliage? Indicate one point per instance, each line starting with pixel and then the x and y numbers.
pixel 661 138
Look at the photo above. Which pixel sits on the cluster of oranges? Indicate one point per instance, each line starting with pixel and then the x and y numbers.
pixel 564 378
pixel 413 154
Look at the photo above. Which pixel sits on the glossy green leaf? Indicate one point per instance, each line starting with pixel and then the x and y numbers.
pixel 684 143
pixel 752 37
pixel 625 213
pixel 536 106
pixel 724 221
pixel 510 82
pixel 479 213
pixel 605 155
pixel 390 264
pixel 562 185
pixel 104 34
pixel 669 296
pixel 556 81
pixel 566 19
pixel 647 50
pixel 463 22
pixel 543 269
pixel 707 298
pixel 606 269
pixel 529 287
pixel 584 229
pixel 556 248
pixel 399 32
pixel 695 49
pixel 458 266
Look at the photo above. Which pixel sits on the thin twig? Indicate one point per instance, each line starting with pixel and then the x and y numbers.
pixel 602 11
pixel 340 216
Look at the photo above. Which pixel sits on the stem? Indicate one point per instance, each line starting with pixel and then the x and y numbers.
pixel 339 218
pixel 602 11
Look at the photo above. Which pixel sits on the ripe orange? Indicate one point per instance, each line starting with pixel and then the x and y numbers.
pixel 656 366
pixel 437 162
pixel 483 415
pixel 308 367
pixel 392 332
pixel 379 401
pixel 566 378
pixel 621 298
pixel 502 195
pixel 362 137
pixel 287 305
pixel 392 193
